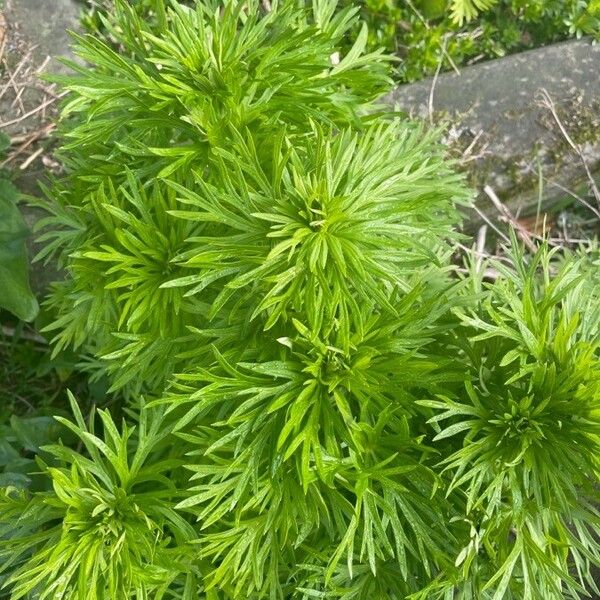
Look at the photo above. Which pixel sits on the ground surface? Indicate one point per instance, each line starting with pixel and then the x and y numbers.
pixel 34 36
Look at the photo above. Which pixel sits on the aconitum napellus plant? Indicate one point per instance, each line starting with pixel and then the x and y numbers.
pixel 258 256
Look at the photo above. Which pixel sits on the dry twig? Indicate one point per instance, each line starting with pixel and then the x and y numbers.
pixel 547 102
pixel 28 140
pixel 508 217
pixel 34 111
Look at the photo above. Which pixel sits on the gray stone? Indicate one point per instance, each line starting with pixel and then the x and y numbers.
pixel 36 36
pixel 500 102
pixel 46 24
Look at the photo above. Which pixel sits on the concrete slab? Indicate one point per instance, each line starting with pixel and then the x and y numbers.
pixel 500 108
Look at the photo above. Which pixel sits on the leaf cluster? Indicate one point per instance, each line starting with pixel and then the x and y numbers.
pixel 107 528
pixel 528 428
pixel 228 183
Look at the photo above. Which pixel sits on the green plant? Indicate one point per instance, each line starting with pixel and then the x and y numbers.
pixel 106 529
pixel 467 10
pixel 20 442
pixel 529 428
pixel 208 111
pixel 331 412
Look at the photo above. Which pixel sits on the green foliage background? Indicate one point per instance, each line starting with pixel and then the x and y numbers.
pixel 428 34
pixel 313 401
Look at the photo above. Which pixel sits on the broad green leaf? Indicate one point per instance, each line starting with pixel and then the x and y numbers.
pixel 15 292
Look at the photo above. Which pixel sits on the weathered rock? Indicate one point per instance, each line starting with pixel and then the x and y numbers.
pixel 36 36
pixel 503 104
pixel 46 24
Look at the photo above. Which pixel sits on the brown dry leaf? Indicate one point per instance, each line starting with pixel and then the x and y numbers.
pixel 538 225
